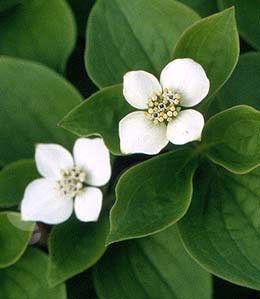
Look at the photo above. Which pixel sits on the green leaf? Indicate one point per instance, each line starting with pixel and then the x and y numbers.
pixel 153 267
pixel 221 228
pixel 15 235
pixel 75 246
pixel 232 139
pixel 13 180
pixel 213 42
pixel 25 33
pixel 100 115
pixel 33 99
pixel 203 7
pixel 124 35
pixel 27 279
pixel 239 89
pixel 247 18
pixel 152 195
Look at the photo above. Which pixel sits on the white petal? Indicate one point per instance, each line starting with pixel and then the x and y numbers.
pixel 51 159
pixel 93 157
pixel 42 203
pixel 138 87
pixel 186 127
pixel 88 204
pixel 188 78
pixel 139 135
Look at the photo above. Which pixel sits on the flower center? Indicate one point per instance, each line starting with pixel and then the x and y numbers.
pixel 163 107
pixel 71 183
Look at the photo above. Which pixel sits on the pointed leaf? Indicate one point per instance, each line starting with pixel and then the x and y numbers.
pixel 213 42
pixel 15 235
pixel 74 247
pixel 152 195
pixel 27 279
pixel 221 228
pixel 13 180
pixel 154 267
pixel 33 99
pixel 100 115
pixel 48 42
pixel 232 139
pixel 124 35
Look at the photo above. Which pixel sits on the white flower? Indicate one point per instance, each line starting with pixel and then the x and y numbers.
pixel 183 83
pixel 51 199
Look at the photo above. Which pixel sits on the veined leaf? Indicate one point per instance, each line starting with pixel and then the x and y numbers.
pixel 152 195
pixel 221 228
pixel 125 35
pixel 213 42
pixel 74 247
pixel 33 99
pixel 27 279
pixel 26 34
pixel 232 139
pixel 153 267
pixel 100 115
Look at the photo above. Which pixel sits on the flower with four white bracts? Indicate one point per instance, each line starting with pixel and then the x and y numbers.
pixel 183 83
pixel 65 182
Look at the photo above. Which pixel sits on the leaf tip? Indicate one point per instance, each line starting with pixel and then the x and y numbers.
pixel 230 11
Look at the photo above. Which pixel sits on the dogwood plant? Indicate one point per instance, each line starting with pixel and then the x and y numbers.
pixel 66 181
pixel 183 83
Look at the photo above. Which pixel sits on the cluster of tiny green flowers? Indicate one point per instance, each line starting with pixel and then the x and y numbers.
pixel 163 107
pixel 71 183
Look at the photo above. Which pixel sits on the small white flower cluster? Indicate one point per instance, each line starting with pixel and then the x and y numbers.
pixel 71 182
pixel 183 84
pixel 163 107
pixel 65 182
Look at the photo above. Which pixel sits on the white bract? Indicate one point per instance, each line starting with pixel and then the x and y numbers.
pixel 65 182
pixel 183 83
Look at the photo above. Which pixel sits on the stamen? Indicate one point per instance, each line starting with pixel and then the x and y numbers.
pixel 71 183
pixel 163 107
